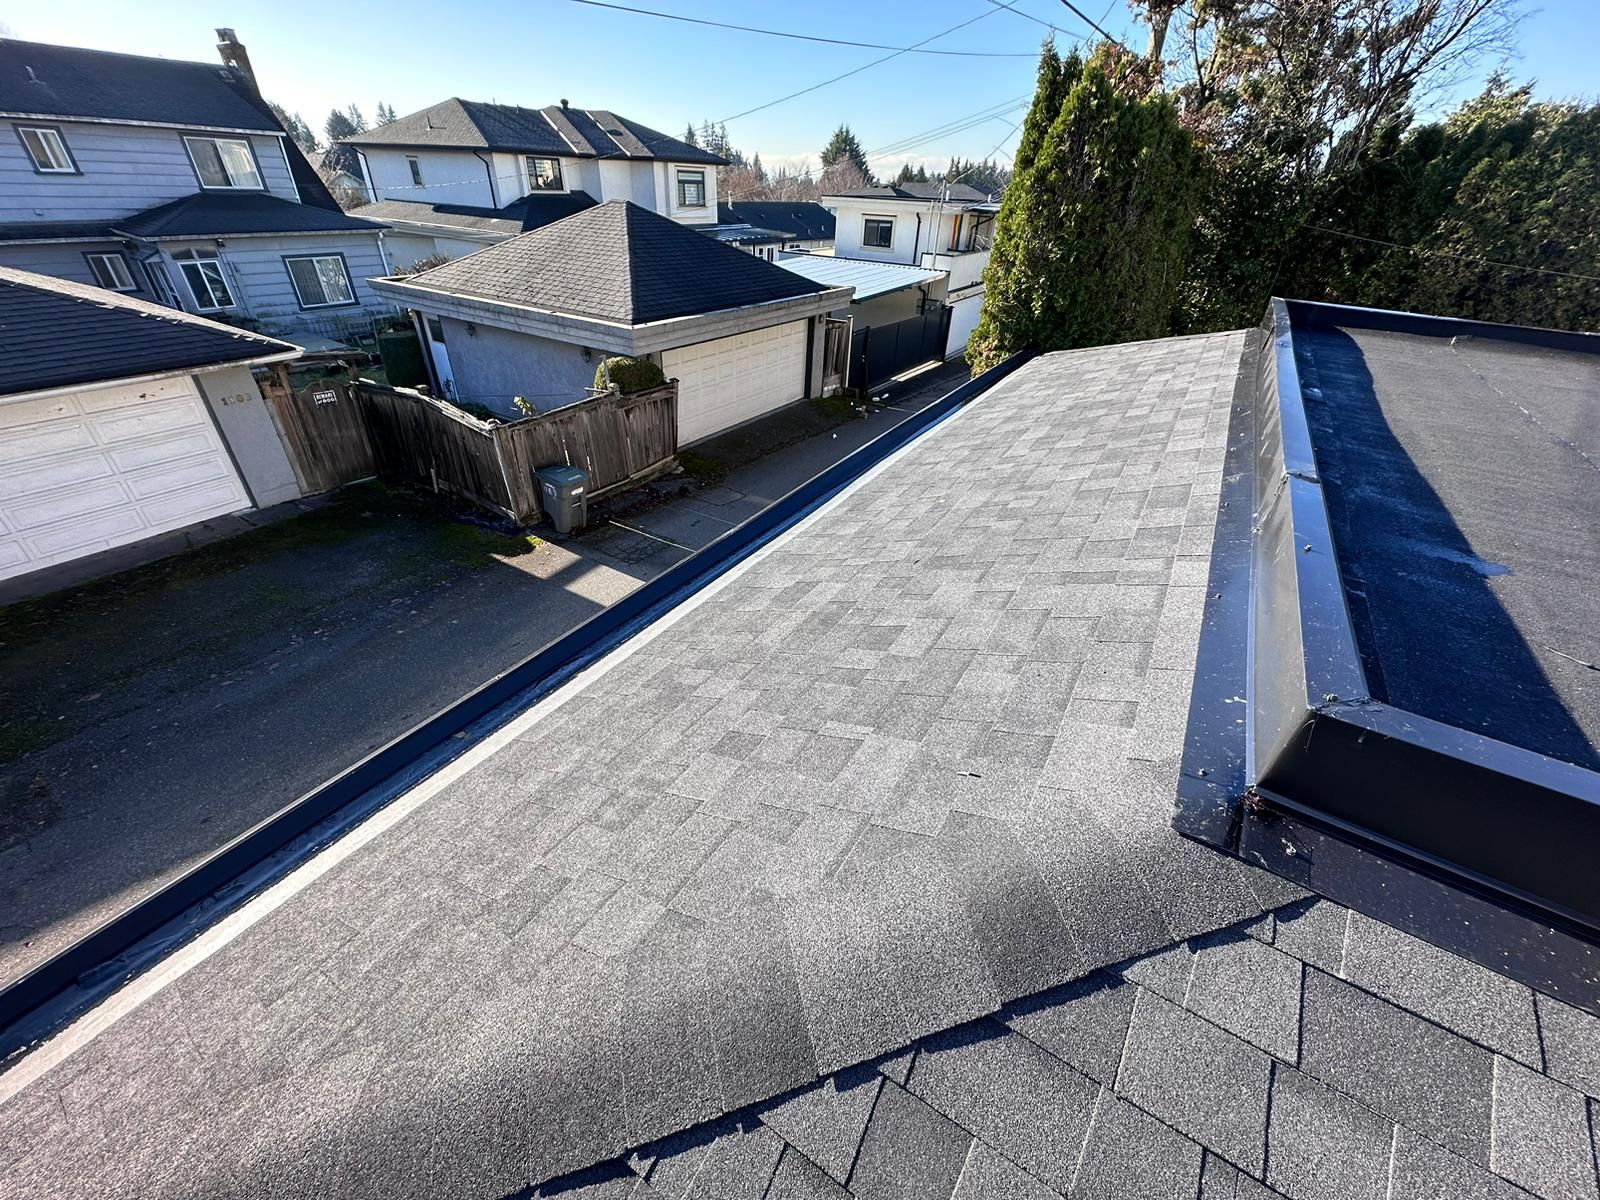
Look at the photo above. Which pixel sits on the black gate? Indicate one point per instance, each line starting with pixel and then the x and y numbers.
pixel 882 351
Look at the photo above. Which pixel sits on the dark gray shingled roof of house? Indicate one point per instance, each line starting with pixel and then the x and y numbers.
pixel 205 214
pixel 804 220
pixel 960 192
pixel 54 333
pixel 520 216
pixel 617 262
pixel 65 81
pixel 854 878
pixel 569 132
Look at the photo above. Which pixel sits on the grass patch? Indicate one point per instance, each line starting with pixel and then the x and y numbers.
pixel 702 468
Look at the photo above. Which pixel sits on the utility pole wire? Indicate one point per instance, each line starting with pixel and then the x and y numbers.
pixel 807 37
pixel 1093 24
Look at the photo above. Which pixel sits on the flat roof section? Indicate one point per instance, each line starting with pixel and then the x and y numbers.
pixel 1462 478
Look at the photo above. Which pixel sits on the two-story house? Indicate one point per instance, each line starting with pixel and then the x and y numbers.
pixel 465 174
pixel 943 226
pixel 173 182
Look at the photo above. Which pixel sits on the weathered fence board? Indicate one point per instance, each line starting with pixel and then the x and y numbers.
pixel 617 439
pixel 323 428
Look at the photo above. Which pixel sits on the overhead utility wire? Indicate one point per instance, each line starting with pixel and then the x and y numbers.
pixel 1092 23
pixel 1487 262
pixel 988 12
pixel 1036 20
pixel 807 37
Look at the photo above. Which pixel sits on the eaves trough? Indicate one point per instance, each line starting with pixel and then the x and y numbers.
pixel 1296 762
pixel 611 336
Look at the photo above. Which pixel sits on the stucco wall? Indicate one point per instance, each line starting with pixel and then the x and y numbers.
pixel 448 177
pixel 492 365
pixel 405 249
pixel 850 217
pixel 236 404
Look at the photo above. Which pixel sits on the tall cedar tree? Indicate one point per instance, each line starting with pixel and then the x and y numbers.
pixel 1090 241
pixel 843 146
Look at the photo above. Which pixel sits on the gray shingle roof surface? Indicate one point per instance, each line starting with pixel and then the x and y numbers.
pixel 67 81
pixel 804 220
pixel 960 192
pixel 617 262
pixel 854 880
pixel 206 213
pixel 55 333
pixel 569 132
pixel 520 216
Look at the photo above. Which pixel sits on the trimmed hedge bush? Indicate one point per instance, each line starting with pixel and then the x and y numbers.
pixel 629 374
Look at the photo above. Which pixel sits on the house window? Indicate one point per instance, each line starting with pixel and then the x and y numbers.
pixel 111 271
pixel 436 330
pixel 416 169
pixel 691 189
pixel 202 271
pixel 48 149
pixel 878 232
pixel 224 162
pixel 955 231
pixel 156 276
pixel 320 280
pixel 544 174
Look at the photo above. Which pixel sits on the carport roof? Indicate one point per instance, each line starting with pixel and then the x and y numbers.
pixel 868 278
pixel 616 262
pixel 55 333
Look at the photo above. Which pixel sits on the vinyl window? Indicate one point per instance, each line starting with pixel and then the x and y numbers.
pixel 48 149
pixel 207 284
pixel 416 169
pixel 877 233
pixel 544 174
pixel 320 280
pixel 224 163
pixel 691 189
pixel 110 270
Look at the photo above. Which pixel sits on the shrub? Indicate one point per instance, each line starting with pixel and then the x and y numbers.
pixel 628 374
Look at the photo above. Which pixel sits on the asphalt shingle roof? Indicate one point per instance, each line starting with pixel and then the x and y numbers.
pixel 617 262
pixel 570 132
pixel 959 192
pixel 803 220
pixel 65 81
pixel 856 878
pixel 520 216
pixel 205 214
pixel 54 333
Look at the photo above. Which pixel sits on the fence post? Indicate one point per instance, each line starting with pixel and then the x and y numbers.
pixel 505 476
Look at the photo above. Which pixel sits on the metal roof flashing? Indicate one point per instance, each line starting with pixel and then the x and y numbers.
pixel 1319 780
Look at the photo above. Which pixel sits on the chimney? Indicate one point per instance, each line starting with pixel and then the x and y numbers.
pixel 563 104
pixel 235 55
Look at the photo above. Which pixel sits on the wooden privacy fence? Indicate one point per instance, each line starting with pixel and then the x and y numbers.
pixel 323 429
pixel 619 440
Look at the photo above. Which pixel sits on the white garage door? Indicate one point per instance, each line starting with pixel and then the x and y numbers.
pixel 732 379
pixel 92 470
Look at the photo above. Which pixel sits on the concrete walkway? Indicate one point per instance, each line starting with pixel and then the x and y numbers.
pixel 148 719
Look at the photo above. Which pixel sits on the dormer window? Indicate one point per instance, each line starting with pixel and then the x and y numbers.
pixel 48 150
pixel 544 174
pixel 224 163
pixel 691 189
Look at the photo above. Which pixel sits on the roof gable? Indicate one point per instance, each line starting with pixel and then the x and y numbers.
pixel 55 333
pixel 617 262
pixel 67 81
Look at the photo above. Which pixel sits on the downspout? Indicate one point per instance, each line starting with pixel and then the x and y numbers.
pixel 916 242
pixel 494 196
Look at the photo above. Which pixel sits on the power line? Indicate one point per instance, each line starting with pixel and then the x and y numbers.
pixel 1036 20
pixel 807 37
pixel 1092 23
pixel 988 12
pixel 1487 262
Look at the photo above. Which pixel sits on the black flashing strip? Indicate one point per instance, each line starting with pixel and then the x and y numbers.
pixel 1490 818
pixel 45 999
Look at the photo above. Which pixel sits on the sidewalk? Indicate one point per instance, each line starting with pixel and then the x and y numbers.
pixel 148 719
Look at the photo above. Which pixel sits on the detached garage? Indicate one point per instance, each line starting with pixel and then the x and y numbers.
pixel 121 420
pixel 532 317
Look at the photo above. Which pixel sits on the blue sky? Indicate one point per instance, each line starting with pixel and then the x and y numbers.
pixel 410 53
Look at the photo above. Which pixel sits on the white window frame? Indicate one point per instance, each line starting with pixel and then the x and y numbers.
pixel 866 245
pixel 233 184
pixel 680 177
pixel 415 164
pixel 527 170
pixel 155 273
pixel 51 144
pixel 112 262
pixel 196 258
pixel 316 260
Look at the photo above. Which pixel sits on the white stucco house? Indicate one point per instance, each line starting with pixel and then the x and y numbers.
pixel 122 420
pixel 533 316
pixel 464 174
pixel 942 226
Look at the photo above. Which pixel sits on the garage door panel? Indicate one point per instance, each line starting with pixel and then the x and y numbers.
pixel 90 471
pixel 732 380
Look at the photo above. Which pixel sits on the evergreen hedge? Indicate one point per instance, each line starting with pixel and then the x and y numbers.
pixel 629 374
